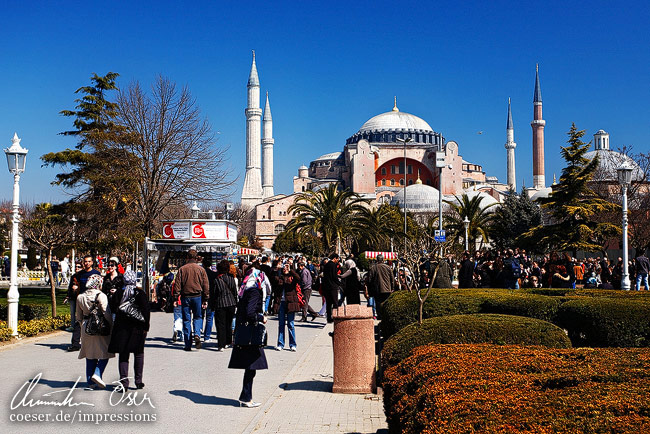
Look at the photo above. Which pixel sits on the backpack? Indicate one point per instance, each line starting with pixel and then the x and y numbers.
pixel 515 269
pixel 96 322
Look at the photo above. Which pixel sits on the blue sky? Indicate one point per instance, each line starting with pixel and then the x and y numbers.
pixel 330 66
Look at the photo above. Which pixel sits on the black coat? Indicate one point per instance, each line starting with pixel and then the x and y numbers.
pixel 128 334
pixel 353 287
pixel 249 308
pixel 466 274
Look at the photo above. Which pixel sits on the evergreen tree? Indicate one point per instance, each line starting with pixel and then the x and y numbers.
pixel 571 206
pixel 516 216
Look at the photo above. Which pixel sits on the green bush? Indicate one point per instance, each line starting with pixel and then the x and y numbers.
pixel 552 292
pixel 529 305
pixel 607 322
pixel 27 312
pixel 472 329
pixel 401 308
pixel 35 326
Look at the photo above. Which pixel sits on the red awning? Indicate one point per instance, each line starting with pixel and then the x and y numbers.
pixel 247 251
pixel 388 256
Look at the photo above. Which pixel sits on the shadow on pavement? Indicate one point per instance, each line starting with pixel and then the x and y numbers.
pixel 199 398
pixel 58 384
pixel 62 347
pixel 314 325
pixel 312 385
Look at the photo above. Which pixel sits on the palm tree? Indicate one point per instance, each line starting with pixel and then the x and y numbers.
pixel 480 218
pixel 377 226
pixel 328 212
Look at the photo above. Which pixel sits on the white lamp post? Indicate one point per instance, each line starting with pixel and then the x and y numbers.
pixel 16 156
pixel 74 221
pixel 625 178
pixel 466 223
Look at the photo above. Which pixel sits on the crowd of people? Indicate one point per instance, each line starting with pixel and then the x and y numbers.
pixel 207 298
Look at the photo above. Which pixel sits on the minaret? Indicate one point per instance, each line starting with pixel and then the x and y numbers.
pixel 538 123
pixel 510 150
pixel 252 192
pixel 267 151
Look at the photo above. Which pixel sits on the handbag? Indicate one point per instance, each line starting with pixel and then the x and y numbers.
pixel 96 322
pixel 132 311
pixel 250 334
pixel 301 298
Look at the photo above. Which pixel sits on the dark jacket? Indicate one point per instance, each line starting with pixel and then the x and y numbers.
pixel 352 287
pixel 223 291
pixel 287 285
pixel 642 265
pixel 380 280
pixel 192 281
pixel 128 334
pixel 330 280
pixel 443 278
pixel 115 283
pixel 249 309
pixel 466 274
pixel 80 279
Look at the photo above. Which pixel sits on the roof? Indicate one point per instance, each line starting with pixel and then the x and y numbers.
pixel 609 161
pixel 538 89
pixel 419 198
pixel 330 156
pixel 395 120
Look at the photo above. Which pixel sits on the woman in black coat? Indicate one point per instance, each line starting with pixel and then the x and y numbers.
pixel 129 334
pixel 250 309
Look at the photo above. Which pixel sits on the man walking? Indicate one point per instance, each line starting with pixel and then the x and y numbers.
pixel 305 285
pixel 642 268
pixel 76 287
pixel 331 284
pixel 380 282
pixel 194 289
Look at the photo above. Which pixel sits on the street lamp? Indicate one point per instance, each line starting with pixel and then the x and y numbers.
pixel 74 221
pixel 405 141
pixel 466 223
pixel 625 178
pixel 16 156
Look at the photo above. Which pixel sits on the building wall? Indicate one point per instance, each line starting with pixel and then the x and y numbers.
pixel 269 215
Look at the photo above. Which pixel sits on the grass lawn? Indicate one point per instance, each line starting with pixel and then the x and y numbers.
pixel 39 295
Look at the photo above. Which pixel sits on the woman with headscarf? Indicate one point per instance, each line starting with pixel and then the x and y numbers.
pixel 250 310
pixel 129 334
pixel 352 282
pixel 94 348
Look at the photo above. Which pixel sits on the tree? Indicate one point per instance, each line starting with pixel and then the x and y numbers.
pixel 46 228
pixel 572 205
pixel 516 216
pixel 329 213
pixel 480 219
pixel 98 174
pixel 176 159
pixel 379 226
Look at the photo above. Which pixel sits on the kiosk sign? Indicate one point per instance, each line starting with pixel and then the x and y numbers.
pixel 176 230
pixel 221 230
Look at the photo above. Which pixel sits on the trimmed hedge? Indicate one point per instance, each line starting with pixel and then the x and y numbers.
pixel 528 305
pixel 607 322
pixel 35 326
pixel 512 389
pixel 469 329
pixel 27 312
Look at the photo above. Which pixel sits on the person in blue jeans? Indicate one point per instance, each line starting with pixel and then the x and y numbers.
pixel 288 303
pixel 194 289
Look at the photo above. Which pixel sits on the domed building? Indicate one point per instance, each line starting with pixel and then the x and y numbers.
pixel 420 198
pixel 609 160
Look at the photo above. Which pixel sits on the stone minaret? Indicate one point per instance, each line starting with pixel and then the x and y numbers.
pixel 538 123
pixel 510 147
pixel 267 151
pixel 252 192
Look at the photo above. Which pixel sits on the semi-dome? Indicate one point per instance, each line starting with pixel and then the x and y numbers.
pixel 486 201
pixel 609 161
pixel 330 156
pixel 395 120
pixel 419 198
pixel 542 193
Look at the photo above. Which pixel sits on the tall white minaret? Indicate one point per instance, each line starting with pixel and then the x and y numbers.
pixel 267 151
pixel 252 192
pixel 510 149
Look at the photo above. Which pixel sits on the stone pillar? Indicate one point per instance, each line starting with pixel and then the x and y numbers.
pixel 354 350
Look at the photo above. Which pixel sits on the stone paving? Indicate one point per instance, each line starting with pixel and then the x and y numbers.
pixel 185 392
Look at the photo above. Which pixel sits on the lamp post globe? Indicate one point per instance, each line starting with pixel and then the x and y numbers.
pixel 624 172
pixel 16 157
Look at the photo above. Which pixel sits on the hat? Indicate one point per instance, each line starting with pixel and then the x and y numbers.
pixel 114 259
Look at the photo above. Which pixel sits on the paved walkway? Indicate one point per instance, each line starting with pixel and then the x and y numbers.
pixel 188 392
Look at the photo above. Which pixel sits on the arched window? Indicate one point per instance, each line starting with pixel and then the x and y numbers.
pixel 383 170
pixel 279 229
pixel 383 182
pixel 401 181
pixel 392 182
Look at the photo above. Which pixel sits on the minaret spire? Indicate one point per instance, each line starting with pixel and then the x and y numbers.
pixel 267 151
pixel 510 150
pixel 395 109
pixel 539 181
pixel 252 191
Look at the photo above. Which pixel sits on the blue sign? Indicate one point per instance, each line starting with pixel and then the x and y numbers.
pixel 440 236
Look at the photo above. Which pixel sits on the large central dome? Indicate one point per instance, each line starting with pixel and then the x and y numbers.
pixel 395 120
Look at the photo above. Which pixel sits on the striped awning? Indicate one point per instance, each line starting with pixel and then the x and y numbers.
pixel 247 251
pixel 388 256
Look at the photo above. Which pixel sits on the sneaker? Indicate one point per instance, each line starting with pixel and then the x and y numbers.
pixel 197 342
pixel 139 385
pixel 249 404
pixel 220 349
pixel 98 381
pixel 293 349
pixel 279 348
